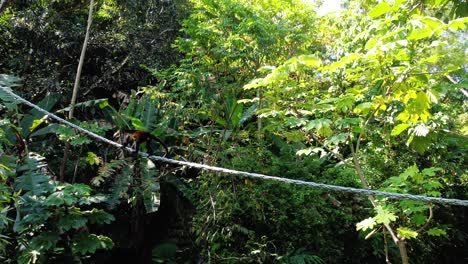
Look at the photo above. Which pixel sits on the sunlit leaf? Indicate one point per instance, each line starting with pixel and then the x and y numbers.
pixel 409 172
pixel 397 130
pixel 459 23
pixel 384 216
pixel 365 224
pixel 432 22
pixel 380 9
pixel 406 233
pixel 420 33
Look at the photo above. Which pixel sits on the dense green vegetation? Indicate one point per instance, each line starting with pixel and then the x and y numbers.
pixel 373 96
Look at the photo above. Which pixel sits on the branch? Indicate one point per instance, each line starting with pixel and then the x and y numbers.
pixel 450 78
pixel 76 86
pixel 427 221
pixel 81 62
pixel 414 7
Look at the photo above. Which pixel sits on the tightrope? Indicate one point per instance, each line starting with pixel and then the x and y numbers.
pixel 330 187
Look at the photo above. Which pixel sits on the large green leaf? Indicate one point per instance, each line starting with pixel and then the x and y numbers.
pixel 47 103
pixel 34 183
pixel 72 220
pixel 406 233
pixel 380 9
pixel 45 241
pixel 365 224
pixel 84 243
pixel 420 33
pixel 397 130
pixel 384 216
pixel 98 216
pixel 9 81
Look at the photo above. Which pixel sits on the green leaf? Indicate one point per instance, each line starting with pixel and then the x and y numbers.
pixel 50 129
pixel 336 139
pixel 459 23
pixel 92 158
pixel 380 9
pixel 9 81
pixel 80 140
pixel 138 124
pixel 409 172
pixel 104 104
pixel 384 216
pixel 255 83
pixel 399 129
pixel 420 33
pixel 84 243
pixel 65 133
pixel 418 219
pixel 294 136
pixel 249 113
pixel 72 220
pixel 365 224
pixel 77 189
pixel 99 216
pixel 47 103
pixel 420 144
pixel 100 198
pixel 322 126
pixel 432 22
pixel 60 198
pixel 371 43
pixel 345 103
pixel 436 232
pixel 35 183
pixel 432 185
pixel 310 60
pixel 431 171
pixel 363 108
pixel 45 241
pixel 410 207
pixel 406 233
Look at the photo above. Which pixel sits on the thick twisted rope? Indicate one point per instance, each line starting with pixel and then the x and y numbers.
pixel 421 198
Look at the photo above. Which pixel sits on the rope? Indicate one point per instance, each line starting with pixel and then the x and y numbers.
pixel 421 198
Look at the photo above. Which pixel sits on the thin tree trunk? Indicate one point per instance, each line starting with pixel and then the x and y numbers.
pixel 76 87
pixel 357 166
pixel 404 254
pixel 259 119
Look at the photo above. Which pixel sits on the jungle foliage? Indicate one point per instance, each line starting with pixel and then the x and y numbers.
pixel 373 96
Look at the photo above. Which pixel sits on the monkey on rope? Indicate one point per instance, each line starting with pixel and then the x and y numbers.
pixel 134 139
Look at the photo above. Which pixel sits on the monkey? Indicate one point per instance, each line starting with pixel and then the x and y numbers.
pixel 139 137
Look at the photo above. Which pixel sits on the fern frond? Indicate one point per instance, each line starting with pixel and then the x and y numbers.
pixel 107 170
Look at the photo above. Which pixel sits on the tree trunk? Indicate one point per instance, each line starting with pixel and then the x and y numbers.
pixel 76 86
pixel 357 166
